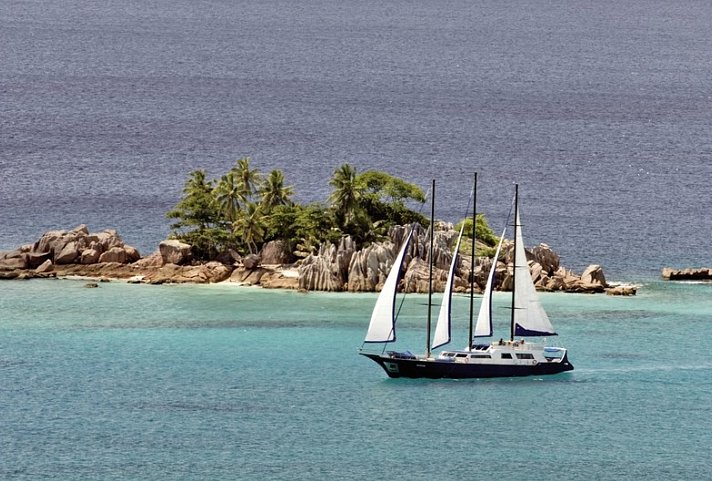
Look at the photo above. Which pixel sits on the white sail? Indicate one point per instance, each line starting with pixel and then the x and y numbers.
pixel 442 328
pixel 382 327
pixel 483 327
pixel 530 319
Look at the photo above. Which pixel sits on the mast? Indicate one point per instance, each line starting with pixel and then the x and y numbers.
pixel 514 256
pixel 430 272
pixel 472 261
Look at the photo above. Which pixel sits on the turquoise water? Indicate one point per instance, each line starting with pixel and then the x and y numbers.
pixel 218 382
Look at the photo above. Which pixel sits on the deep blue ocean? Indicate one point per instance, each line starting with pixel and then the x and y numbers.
pixel 601 111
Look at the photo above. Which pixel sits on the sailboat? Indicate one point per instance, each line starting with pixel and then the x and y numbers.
pixel 512 357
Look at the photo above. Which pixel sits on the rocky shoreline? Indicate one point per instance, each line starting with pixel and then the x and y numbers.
pixel 688 274
pixel 342 267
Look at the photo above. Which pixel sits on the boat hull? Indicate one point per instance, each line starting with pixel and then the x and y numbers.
pixel 442 369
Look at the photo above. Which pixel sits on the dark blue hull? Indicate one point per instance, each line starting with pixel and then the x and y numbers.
pixel 443 369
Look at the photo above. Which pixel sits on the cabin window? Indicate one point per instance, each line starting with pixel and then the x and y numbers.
pixel 450 354
pixel 461 355
pixel 480 356
pixel 525 356
pixel 506 355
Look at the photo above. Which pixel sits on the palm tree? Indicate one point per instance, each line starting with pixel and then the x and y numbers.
pixel 198 220
pixel 197 207
pixel 347 193
pixel 274 192
pixel 229 196
pixel 247 179
pixel 250 226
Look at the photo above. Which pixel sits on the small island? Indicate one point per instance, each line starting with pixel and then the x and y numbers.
pixel 244 228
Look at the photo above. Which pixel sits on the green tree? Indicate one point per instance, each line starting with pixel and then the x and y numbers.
pixel 198 217
pixel 484 235
pixel 247 179
pixel 347 194
pixel 314 225
pixel 250 226
pixel 230 196
pixel 390 189
pixel 385 198
pixel 274 192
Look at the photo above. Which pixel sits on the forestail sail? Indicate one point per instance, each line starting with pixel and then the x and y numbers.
pixel 443 326
pixel 483 327
pixel 530 319
pixel 382 327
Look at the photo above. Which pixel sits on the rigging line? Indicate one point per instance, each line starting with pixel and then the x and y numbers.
pixel 509 216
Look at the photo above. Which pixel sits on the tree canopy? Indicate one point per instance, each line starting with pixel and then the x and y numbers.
pixel 244 209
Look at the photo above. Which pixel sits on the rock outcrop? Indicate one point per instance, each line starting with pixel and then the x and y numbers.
pixel 275 253
pixel 689 274
pixel 622 290
pixel 68 247
pixel 342 267
pixel 174 252
pixel 334 267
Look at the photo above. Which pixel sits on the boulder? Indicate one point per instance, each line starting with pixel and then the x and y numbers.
pixel 108 238
pixel 279 282
pixel 622 291
pixel 416 278
pixel 68 255
pixel 536 271
pixel 153 260
pixel 52 241
pixel 229 257
pixel 200 274
pixel 275 252
pixel 36 259
pixel 45 267
pixel 251 261
pixel 594 275
pixel 174 252
pixel 12 263
pixel 555 283
pixel 132 254
pixel 546 258
pixel 11 254
pixel 89 256
pixel 81 229
pixel 115 254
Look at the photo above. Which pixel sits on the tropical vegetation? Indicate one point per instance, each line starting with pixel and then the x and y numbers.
pixel 244 209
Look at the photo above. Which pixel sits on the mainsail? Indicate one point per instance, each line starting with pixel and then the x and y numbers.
pixel 382 327
pixel 442 328
pixel 530 319
pixel 483 328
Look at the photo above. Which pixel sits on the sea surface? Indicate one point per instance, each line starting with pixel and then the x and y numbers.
pixel 602 111
pixel 128 382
